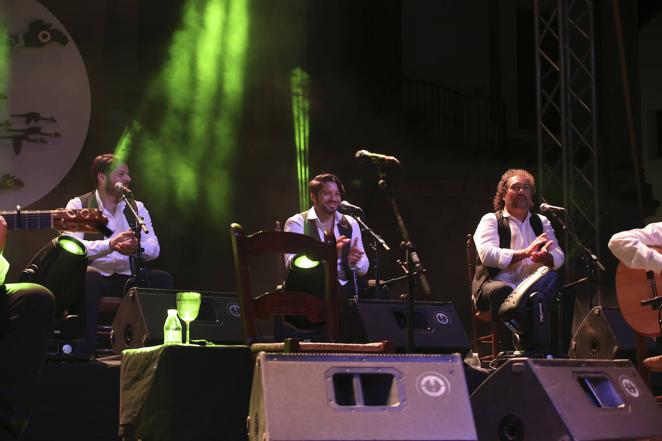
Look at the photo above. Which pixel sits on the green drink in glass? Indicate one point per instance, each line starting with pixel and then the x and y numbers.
pixel 188 306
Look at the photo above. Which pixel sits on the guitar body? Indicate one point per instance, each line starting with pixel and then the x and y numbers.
pixel 632 286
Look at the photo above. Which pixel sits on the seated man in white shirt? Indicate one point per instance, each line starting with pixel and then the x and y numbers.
pixel 512 243
pixel 635 248
pixel 326 192
pixel 110 259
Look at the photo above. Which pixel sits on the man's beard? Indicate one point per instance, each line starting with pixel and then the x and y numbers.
pixel 110 188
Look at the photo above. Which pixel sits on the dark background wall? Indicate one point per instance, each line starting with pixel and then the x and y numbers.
pixel 362 57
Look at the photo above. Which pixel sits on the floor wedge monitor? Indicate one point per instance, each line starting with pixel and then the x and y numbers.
pixel 552 400
pixel 604 334
pixel 324 397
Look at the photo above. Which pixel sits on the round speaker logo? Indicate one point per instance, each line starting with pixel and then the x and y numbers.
pixel 44 102
pixel 629 386
pixel 234 309
pixel 433 384
pixel 442 318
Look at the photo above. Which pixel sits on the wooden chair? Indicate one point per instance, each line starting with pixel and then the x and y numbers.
pixel 479 319
pixel 273 303
pixel 282 302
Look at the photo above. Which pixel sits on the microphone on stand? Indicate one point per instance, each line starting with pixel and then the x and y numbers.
pixel 546 208
pixel 376 158
pixel 347 208
pixel 122 189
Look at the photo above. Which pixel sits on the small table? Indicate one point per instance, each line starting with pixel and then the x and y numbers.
pixel 185 392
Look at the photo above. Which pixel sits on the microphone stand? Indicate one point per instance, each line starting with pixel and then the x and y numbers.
pixel 588 257
pixel 414 267
pixel 590 261
pixel 136 262
pixel 376 241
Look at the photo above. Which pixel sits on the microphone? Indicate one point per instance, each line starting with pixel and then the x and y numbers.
pixel 347 208
pixel 546 208
pixel 122 189
pixel 376 158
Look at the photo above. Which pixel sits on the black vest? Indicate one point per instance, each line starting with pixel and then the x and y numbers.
pixel 483 273
pixel 344 228
pixel 88 200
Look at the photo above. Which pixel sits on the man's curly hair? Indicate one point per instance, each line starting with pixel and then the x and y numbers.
pixel 502 187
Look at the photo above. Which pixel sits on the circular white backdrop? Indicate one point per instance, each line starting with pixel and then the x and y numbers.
pixel 44 103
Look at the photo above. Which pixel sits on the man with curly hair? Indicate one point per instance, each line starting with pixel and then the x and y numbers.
pixel 512 244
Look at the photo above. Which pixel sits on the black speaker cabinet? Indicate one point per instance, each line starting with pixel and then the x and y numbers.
pixel 306 397
pixel 437 325
pixel 539 400
pixel 140 317
pixel 604 334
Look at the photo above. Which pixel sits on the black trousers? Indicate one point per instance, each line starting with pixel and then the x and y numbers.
pixel 22 346
pixel 114 285
pixel 494 292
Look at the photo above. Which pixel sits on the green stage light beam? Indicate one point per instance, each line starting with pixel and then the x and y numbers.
pixel 123 147
pixel 4 64
pixel 188 124
pixel 299 82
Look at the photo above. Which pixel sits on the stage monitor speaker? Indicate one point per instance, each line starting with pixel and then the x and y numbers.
pixel 437 326
pixel 140 317
pixel 314 397
pixel 604 334
pixel 580 400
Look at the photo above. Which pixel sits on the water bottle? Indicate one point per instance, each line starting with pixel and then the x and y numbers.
pixel 172 329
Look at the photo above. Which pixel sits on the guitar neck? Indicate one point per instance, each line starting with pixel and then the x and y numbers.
pixel 28 220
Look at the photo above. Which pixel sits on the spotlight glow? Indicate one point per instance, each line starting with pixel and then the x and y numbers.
pixel 299 81
pixel 185 137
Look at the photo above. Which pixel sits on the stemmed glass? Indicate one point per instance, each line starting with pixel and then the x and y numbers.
pixel 188 306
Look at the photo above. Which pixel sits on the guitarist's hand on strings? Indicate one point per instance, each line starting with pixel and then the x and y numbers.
pixel 124 243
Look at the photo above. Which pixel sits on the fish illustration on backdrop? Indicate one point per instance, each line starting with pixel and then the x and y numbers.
pixel 33 117
pixel 10 183
pixel 39 34
pixel 18 140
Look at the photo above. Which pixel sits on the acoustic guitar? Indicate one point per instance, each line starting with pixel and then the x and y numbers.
pixel 634 286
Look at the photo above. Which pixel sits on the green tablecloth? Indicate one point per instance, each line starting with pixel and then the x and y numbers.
pixel 180 392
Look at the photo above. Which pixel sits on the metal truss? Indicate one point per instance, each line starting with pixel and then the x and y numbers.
pixel 567 150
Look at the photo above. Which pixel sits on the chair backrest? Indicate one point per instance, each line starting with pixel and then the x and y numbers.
pixel 476 315
pixel 471 259
pixel 284 302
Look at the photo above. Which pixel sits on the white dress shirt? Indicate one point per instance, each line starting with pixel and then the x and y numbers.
pixel 295 224
pixel 486 238
pixel 633 247
pixel 99 254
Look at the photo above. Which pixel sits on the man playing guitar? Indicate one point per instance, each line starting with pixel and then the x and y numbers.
pixel 639 251
pixel 26 318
